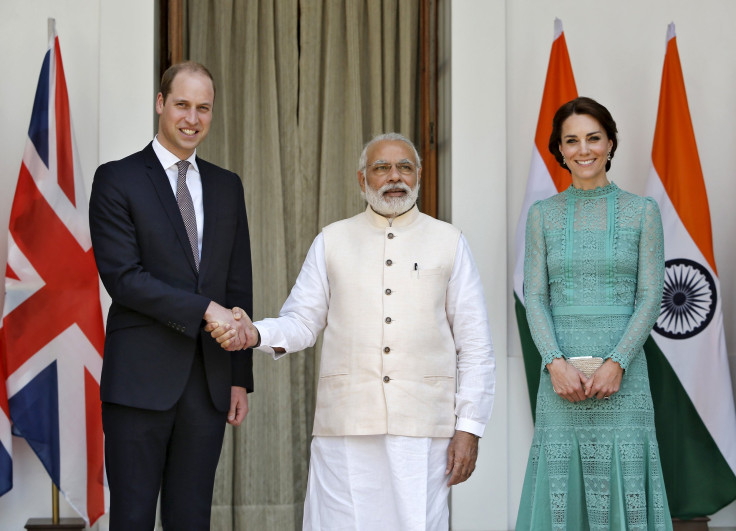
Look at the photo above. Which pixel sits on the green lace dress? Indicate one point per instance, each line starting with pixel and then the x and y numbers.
pixel 593 276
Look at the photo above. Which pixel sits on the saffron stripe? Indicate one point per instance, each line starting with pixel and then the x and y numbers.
pixel 559 87
pixel 675 155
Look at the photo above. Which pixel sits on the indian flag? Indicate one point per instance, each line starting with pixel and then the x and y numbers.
pixel 686 353
pixel 546 178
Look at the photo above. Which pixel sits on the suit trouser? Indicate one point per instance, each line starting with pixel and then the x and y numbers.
pixel 174 451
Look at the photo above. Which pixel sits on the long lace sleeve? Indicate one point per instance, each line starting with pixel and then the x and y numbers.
pixel 536 288
pixel 650 282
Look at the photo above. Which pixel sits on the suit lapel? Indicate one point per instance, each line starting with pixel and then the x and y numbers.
pixel 211 212
pixel 168 200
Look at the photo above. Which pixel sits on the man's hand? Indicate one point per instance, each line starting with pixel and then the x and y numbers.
pixel 223 317
pixel 461 456
pixel 238 405
pixel 567 381
pixel 228 336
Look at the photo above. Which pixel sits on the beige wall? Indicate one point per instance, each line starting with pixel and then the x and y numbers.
pixel 478 189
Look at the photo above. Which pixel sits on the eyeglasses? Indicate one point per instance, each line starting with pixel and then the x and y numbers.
pixel 384 168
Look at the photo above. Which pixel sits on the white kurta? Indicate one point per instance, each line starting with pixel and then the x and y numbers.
pixel 377 482
pixel 388 482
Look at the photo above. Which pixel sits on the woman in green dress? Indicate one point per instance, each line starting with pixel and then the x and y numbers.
pixel 593 276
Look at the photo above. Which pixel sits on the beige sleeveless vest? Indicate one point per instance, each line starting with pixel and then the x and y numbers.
pixel 388 357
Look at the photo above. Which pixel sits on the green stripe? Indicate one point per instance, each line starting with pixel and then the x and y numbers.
pixel 532 358
pixel 698 479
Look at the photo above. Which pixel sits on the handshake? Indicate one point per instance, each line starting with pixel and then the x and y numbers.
pixel 232 329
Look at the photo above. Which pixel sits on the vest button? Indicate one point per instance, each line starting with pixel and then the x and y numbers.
pixel 390 236
pixel 388 320
pixel 388 291
pixel 386 350
pixel 389 262
pixel 386 379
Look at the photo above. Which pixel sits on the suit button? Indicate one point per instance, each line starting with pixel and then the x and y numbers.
pixel 390 236
pixel 389 262
pixel 386 379
pixel 386 350
pixel 388 320
pixel 388 291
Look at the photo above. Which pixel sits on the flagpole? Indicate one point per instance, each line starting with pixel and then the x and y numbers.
pixel 54 488
pixel 54 503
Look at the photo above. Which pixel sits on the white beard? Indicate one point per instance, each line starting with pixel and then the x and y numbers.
pixel 391 206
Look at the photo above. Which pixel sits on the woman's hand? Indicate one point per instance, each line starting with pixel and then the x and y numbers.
pixel 567 381
pixel 605 381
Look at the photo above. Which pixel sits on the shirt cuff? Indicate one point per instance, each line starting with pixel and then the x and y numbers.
pixel 268 341
pixel 471 426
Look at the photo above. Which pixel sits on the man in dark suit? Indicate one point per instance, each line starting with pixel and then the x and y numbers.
pixel 170 237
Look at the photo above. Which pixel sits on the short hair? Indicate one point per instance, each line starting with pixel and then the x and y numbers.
pixel 387 137
pixel 187 66
pixel 581 105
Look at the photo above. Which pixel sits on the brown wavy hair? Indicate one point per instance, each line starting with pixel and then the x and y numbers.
pixel 581 105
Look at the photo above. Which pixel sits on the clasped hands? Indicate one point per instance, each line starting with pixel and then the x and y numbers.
pixel 232 329
pixel 572 385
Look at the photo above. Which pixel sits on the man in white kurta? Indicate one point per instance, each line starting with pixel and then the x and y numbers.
pixel 406 380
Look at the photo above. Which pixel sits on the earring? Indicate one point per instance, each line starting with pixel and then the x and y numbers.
pixel 564 162
pixel 609 155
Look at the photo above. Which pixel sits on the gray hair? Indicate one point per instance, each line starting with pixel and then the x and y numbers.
pixel 384 137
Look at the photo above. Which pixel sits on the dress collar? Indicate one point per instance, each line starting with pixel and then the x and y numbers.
pixel 599 191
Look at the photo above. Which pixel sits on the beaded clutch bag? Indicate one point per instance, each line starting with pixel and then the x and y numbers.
pixel 586 364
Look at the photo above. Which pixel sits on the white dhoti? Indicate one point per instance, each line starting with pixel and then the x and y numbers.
pixel 377 482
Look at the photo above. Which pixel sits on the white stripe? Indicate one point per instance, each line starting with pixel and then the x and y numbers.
pixel 73 352
pixel 701 361
pixel 18 291
pixel 72 417
pixel 72 339
pixel 538 186
pixel 6 438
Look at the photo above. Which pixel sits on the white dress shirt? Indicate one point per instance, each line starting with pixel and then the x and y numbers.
pixel 304 315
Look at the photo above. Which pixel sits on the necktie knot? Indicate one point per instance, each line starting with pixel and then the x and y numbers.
pixel 183 166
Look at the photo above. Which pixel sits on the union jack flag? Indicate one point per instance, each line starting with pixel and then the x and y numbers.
pixel 52 336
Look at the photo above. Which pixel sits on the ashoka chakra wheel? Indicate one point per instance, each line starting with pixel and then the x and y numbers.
pixel 689 299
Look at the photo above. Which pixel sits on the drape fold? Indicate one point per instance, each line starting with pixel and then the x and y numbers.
pixel 301 86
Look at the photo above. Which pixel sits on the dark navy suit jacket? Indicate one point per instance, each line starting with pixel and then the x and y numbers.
pixel 146 263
